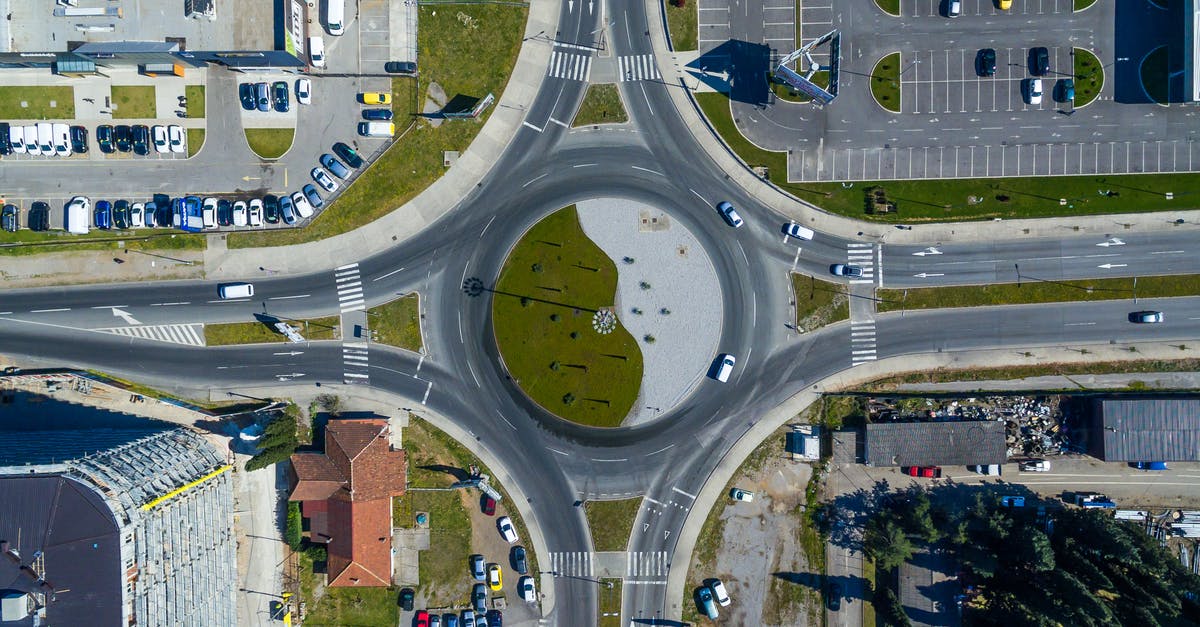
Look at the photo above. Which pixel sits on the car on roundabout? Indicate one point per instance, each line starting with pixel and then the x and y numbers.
pixel 791 229
pixel 729 214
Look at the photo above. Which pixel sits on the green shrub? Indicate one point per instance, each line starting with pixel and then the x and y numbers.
pixel 293 534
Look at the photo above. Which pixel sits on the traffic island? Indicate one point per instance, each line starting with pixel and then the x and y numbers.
pixel 609 608
pixel 786 93
pixel 1089 77
pixel 196 105
pixel 397 323
pixel 195 141
pixel 264 331
pixel 270 143
pixel 892 7
pixel 682 19
pixel 601 105
pixel 818 302
pixel 611 522
pixel 1031 290
pixel 885 82
pixel 555 328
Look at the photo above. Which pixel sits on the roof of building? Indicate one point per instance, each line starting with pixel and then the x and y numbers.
pixel 81 549
pixel 958 443
pixel 1145 430
pixel 316 477
pixel 360 551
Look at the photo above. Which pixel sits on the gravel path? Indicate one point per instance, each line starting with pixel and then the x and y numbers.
pixel 681 281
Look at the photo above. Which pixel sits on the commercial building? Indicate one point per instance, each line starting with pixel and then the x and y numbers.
pixel 1145 429
pixel 346 494
pixel 954 443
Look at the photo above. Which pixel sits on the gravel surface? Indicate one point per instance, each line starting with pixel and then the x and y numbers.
pixel 681 281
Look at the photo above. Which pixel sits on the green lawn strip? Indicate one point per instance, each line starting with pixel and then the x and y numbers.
pixel 1008 373
pixel 270 143
pixel 259 332
pixel 398 323
pixel 355 607
pixel 681 22
pixel 1089 77
pixel 133 102
pixel 868 608
pixel 444 578
pixel 37 242
pixel 38 98
pixel 892 7
pixel 785 92
pixel 610 603
pixel 195 100
pixel 195 141
pixel 471 57
pixel 1083 4
pixel 818 302
pixel 601 105
pixel 1033 291
pixel 885 82
pixel 552 282
pixel 611 522
pixel 1154 74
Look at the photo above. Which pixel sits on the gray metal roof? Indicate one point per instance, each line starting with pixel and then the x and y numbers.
pixel 1151 430
pixel 958 443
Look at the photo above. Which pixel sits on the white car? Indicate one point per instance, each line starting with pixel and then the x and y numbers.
pixel 730 214
pixel 62 140
pixel 31 141
pixel 791 229
pixel 1035 465
pixel 151 219
pixel 324 180
pixel 304 91
pixel 256 212
pixel 210 213
pixel 137 214
pixel 526 589
pixel 239 213
pixel 16 137
pixel 1033 91
pixel 177 138
pixel 739 494
pixel 303 208
pixel 719 592
pixel 507 530
pixel 723 367
pixel 159 134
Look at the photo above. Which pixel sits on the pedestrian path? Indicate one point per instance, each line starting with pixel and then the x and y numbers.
pixel 349 288
pixel 355 364
pixel 646 564
pixel 573 563
pixel 186 334
pixel 863 256
pixel 862 342
pixel 638 67
pixel 571 66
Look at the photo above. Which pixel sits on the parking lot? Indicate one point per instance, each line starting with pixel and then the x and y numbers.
pixel 770 22
pixel 974 8
pixel 946 81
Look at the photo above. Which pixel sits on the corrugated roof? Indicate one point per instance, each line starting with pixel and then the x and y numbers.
pixel 1151 430
pixel 935 443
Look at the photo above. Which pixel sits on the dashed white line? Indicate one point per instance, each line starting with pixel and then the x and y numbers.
pixel 49 310
pixel 394 271
pixel 289 297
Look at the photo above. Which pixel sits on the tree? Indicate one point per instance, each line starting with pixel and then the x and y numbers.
pixel 887 543
pixel 889 608
pixel 1033 551
pixel 294 532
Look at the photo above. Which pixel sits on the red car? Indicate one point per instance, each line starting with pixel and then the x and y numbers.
pixel 929 472
pixel 488 505
pixel 422 618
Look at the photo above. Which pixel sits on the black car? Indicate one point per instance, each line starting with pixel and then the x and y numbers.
pixel 1039 61
pixel 281 96
pixel 407 595
pixel 104 138
pixel 141 139
pixel 271 208
pixel 224 212
pixel 123 136
pixel 833 598
pixel 121 214
pixel 985 62
pixel 5 146
pixel 39 216
pixel 79 142
pixel 348 154
pixel 377 114
pixel 9 218
pixel 246 95
pixel 495 618
pixel 518 560
pixel 400 67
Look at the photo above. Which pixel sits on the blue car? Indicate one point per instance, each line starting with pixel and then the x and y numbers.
pixel 334 166
pixel 313 197
pixel 103 215
pixel 377 114
pixel 287 210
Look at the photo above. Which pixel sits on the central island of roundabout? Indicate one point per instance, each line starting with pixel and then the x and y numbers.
pixel 607 313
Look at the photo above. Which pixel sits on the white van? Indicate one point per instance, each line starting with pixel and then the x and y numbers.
pixel 316 51
pixel 723 367
pixel 376 129
pixel 62 140
pixel 31 140
pixel 335 16
pixel 16 138
pixel 45 138
pixel 235 290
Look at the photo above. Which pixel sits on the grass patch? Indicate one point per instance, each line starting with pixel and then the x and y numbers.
pixel 1083 4
pixel 885 82
pixel 1089 77
pixel 818 302
pixel 681 22
pixel 354 607
pixel 195 100
pixel 1038 292
pixel 443 569
pixel 892 7
pixel 36 242
pixel 270 143
pixel 610 603
pixel 1154 73
pixel 785 92
pixel 601 105
pixel 195 141
pixel 868 608
pixel 551 283
pixel 326 328
pixel 1006 373
pixel 472 56
pixel 38 98
pixel 398 323
pixel 611 522
pixel 133 102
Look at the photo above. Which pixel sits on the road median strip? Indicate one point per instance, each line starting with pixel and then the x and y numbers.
pixel 1033 291
pixel 264 331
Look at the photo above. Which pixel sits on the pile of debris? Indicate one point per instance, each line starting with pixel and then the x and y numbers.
pixel 1034 424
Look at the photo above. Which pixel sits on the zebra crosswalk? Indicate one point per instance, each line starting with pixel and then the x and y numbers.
pixel 637 67
pixel 863 256
pixel 187 334
pixel 646 564
pixel 862 342
pixel 354 363
pixel 573 563
pixel 349 288
pixel 571 66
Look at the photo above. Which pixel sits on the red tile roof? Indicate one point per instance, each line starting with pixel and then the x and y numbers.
pixel 315 477
pixel 360 551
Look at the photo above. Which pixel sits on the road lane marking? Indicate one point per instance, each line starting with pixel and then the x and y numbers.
pixel 170 304
pixel 427 389
pixel 401 268
pixel 532 126
pixel 687 494
pixel 1079 324
pixel 289 297
pixel 110 307
pixel 49 310
pixel 554 450
pixel 532 180
pixel 647 170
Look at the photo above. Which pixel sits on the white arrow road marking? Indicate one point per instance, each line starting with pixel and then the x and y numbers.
pixel 591 6
pixel 928 251
pixel 1110 266
pixel 1112 241
pixel 570 6
pixel 925 275
pixel 124 315
pixel 292 353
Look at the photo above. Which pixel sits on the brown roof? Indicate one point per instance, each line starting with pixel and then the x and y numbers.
pixel 316 478
pixel 360 551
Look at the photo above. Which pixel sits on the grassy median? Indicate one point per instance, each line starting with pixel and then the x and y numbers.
pixel 29 102
pixel 682 23
pixel 601 105
pixel 195 141
pixel 196 106
pixel 1089 77
pixel 326 328
pixel 270 143
pixel 1031 291
pixel 133 102
pixel 611 522
pixel 885 82
pixel 610 603
pixel 398 323
pixel 818 302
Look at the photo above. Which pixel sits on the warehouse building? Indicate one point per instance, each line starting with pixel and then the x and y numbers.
pixel 959 443
pixel 1145 429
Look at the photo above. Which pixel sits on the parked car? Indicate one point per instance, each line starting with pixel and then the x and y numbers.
pixel 400 67
pixel 487 505
pixel 348 154
pixel 177 138
pixel 62 139
pixel 478 567
pixel 303 208
pixel 137 215
pixel 990 470
pixel 985 62
pixel 375 98
pixel 479 598
pixel 1146 317
pixel 334 166
pixel 246 94
pixel 1065 90
pixel 303 91
pixel 159 135
pixel 141 139
pixel 10 218
pixel 421 619
pixel 526 590
pixel 450 620
pixel 518 560
pixel 495 577
pixel 322 178
pixel 468 618
pixel 1032 87
pixel 104 138
pixel 704 599
pixel 287 209
pixel 719 592
pixel 739 494
pixel 5 141
pixel 954 8
pixel 39 216
pixel 377 114
pixel 210 213
pixel 271 208
pixel 1035 465
pixel 495 618
pixel 121 214
pixel 255 214
pixel 1150 465
pixel 151 215
pixel 1012 501
pixel 507 530
pixel 239 213
pixel 224 212
pixel 314 198
pixel 79 139
pixel 929 472
pixel 16 139
pixel 281 96
pixel 1039 61
pixel 407 595
pixel 730 214
pixel 846 270
pixel 103 214
pixel 833 596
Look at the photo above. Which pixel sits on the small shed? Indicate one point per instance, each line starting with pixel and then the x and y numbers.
pixel 804 443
